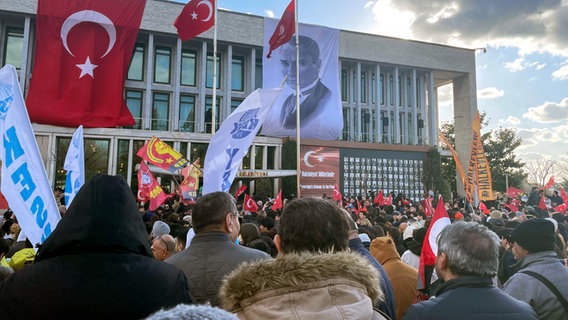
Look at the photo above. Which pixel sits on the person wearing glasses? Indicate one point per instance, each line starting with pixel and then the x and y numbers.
pixel 213 253
pixel 163 247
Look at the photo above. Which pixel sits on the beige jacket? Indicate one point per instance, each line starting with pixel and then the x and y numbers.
pixel 304 286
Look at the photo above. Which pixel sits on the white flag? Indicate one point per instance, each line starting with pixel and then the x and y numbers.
pixel 75 166
pixel 232 141
pixel 24 180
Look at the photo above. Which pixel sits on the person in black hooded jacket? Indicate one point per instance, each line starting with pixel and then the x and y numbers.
pixel 96 264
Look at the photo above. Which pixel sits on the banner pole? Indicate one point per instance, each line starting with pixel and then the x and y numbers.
pixel 214 101
pixel 298 170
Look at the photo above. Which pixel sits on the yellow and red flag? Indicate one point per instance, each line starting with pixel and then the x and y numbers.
pixel 190 184
pixel 148 187
pixel 160 154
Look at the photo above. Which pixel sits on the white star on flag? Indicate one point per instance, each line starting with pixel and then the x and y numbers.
pixel 87 68
pixel 194 15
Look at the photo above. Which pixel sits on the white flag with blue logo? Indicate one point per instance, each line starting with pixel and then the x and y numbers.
pixel 232 141
pixel 75 166
pixel 24 180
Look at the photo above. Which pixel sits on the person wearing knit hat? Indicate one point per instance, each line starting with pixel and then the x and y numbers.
pixel 533 247
pixel 192 312
pixel 159 228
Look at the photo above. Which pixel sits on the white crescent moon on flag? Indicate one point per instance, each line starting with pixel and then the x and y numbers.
pixel 249 203
pixel 209 5
pixel 306 159
pixel 88 16
pixel 281 30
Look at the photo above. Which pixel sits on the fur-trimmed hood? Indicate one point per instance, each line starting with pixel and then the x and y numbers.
pixel 295 273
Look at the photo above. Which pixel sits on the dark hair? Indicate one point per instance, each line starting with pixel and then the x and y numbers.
pixel 307 45
pixel 211 210
pixel 313 225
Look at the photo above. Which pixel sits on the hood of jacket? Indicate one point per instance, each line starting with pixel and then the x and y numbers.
pixel 103 217
pixel 293 272
pixel 384 249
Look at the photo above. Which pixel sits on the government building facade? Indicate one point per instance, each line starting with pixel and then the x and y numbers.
pixel 388 92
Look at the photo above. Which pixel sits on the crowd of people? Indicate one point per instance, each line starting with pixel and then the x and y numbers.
pixel 110 257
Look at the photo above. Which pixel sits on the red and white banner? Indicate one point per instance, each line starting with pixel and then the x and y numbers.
pixel 278 202
pixel 319 170
pixel 148 187
pixel 249 204
pixel 82 54
pixel 24 180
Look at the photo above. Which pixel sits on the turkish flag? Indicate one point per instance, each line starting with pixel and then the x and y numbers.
pixel 336 194
pixel 284 30
pixel 388 200
pixel 483 207
pixel 542 203
pixel 148 187
pixel 514 192
pixel 561 208
pixel 430 246
pixel 196 17
pixel 428 210
pixel 249 204
pixel 379 198
pixel 549 183
pixel 278 202
pixel 82 53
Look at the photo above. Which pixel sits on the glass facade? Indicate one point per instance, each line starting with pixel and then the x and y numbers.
pixel 188 68
pixel 238 73
pixel 187 113
pixel 135 103
pixel 162 64
pixel 136 69
pixel 14 46
pixel 160 111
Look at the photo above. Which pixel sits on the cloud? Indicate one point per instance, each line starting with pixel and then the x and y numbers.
pixel 531 26
pixel 490 93
pixel 520 64
pixel 269 13
pixel 509 122
pixel 548 112
pixel 561 74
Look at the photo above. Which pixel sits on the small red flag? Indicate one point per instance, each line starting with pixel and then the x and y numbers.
pixel 82 54
pixel 336 194
pixel 284 30
pixel 428 209
pixel 483 208
pixel 542 203
pixel 379 198
pixel 188 187
pixel 241 190
pixel 249 204
pixel 430 246
pixel 162 155
pixel 278 202
pixel 148 187
pixel 514 192
pixel 561 208
pixel 388 200
pixel 549 183
pixel 196 17
pixel 563 195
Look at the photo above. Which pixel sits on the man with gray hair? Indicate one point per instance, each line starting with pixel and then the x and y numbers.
pixel 213 252
pixel 468 257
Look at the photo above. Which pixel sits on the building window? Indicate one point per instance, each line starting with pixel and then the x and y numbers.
pixel 365 125
pixel 136 69
pixel 122 158
pixel 354 89
pixel 188 67
pixel 187 113
pixel 162 64
pixel 270 158
pixel 346 124
pixel 258 157
pixel 238 73
pixel 198 151
pixel 410 131
pixel 14 47
pixel 134 103
pixel 391 90
pixel 96 158
pixel 258 73
pixel 246 160
pixel 160 111
pixel 344 85
pixel 363 87
pixel 209 113
pixel 209 71
pixel 235 103
pixel 400 89
pixel 408 92
pixel 382 88
pixel 373 88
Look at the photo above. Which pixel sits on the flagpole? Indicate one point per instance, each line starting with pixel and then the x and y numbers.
pixel 298 170
pixel 214 102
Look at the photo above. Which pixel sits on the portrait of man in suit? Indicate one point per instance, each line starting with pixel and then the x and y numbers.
pixel 320 106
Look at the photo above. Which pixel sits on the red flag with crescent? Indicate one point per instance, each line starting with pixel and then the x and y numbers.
pixel 336 194
pixel 196 17
pixel 284 30
pixel 82 54
pixel 148 187
pixel 249 204
pixel 379 199
pixel 160 154
pixel 549 183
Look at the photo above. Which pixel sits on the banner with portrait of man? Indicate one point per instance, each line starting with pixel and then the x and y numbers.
pixel 321 116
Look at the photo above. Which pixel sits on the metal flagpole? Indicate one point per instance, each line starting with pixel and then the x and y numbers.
pixel 214 102
pixel 298 170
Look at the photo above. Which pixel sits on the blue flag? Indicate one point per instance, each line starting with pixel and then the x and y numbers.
pixel 75 166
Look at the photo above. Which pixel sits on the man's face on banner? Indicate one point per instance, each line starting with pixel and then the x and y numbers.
pixel 309 66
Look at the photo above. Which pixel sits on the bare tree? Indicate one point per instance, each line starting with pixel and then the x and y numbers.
pixel 539 171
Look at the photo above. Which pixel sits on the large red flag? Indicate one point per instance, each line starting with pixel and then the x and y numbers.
pixel 82 53
pixel 336 194
pixel 278 202
pixel 430 246
pixel 148 187
pixel 162 155
pixel 514 192
pixel 249 204
pixel 284 30
pixel 196 17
